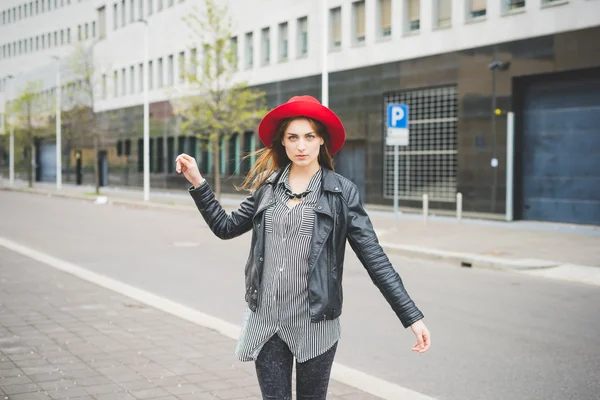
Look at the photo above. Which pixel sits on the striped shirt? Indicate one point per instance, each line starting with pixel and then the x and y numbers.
pixel 283 304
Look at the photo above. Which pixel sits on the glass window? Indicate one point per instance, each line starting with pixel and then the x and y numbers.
pixel 302 36
pixel 385 18
pixel 335 19
pixel 265 46
pixel 283 41
pixel 358 16
pixel 249 50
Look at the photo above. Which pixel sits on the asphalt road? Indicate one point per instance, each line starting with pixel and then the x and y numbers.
pixel 495 334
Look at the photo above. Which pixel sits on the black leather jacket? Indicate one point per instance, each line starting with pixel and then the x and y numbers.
pixel 338 216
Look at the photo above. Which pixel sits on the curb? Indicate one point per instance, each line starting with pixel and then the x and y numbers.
pixel 468 260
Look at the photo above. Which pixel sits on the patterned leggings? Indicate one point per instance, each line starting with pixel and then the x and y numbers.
pixel 274 372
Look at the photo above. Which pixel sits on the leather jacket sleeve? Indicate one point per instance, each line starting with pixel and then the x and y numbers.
pixel 364 242
pixel 223 226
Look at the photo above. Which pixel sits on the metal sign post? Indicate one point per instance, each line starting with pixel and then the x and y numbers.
pixel 397 135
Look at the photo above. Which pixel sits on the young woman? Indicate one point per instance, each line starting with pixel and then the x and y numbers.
pixel 300 213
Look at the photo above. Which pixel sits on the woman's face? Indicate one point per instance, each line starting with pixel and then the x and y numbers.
pixel 302 143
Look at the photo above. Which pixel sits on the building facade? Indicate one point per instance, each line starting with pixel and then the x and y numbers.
pixel 460 65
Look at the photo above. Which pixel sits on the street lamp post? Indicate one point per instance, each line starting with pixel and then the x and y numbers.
pixel 58 127
pixel 11 146
pixel 146 115
pixel 324 55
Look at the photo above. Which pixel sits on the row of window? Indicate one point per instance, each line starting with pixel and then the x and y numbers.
pixel 31 9
pixel 232 151
pixel 129 80
pixel 47 41
pixel 126 11
pixel 475 9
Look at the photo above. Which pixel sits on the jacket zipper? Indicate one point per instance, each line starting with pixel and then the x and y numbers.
pixel 329 294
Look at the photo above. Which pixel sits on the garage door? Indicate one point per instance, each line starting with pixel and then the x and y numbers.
pixel 561 151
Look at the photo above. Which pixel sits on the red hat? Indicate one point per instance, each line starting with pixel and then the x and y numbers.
pixel 303 106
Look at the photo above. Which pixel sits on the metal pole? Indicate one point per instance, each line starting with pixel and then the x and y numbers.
pixel 11 156
pixel 58 130
pixel 396 186
pixel 324 55
pixel 495 143
pixel 459 207
pixel 425 207
pixel 146 119
pixel 510 154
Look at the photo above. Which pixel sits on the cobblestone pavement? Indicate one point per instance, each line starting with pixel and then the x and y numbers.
pixel 64 338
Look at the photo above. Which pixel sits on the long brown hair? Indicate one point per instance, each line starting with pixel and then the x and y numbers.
pixel 274 157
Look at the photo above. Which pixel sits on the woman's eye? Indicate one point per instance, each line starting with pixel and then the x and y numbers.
pixel 310 137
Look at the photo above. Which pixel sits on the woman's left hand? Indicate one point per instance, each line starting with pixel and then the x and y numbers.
pixel 423 337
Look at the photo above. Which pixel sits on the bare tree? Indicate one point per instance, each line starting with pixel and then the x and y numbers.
pixel 27 117
pixel 217 105
pixel 79 111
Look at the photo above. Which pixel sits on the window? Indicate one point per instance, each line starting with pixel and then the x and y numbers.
pixel 150 76
pixel 444 13
pixel 249 50
pixel 385 18
pixel 141 9
pixel 302 39
pixel 159 6
pixel 141 77
pixel 20 13
pixel 234 52
pixel 93 29
pixel 170 3
pixel 43 41
pixel 49 40
pixel 131 79
pixel 123 82
pixel 150 6
pixel 115 14
pixel 102 22
pixel 43 6
pixel 37 44
pixel 160 73
pixel 55 38
pixel 265 46
pixel 335 24
pixel 131 10
pixel 477 9
pixel 510 5
pixel 78 32
pixel 25 45
pixel 283 41
pixel 25 11
pixel 87 31
pixel 104 86
pixel 193 63
pixel 170 71
pixel 123 12
pixel 358 17
pixel 20 47
pixel 30 44
pixel 62 36
pixel 413 15
pixel 68 35
pixel 116 84
pixel 181 67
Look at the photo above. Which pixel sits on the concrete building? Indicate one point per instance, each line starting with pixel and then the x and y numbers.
pixel 454 62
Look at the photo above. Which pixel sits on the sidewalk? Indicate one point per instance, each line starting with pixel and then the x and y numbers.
pixel 542 248
pixel 62 337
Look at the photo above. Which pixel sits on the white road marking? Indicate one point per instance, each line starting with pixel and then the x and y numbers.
pixel 349 376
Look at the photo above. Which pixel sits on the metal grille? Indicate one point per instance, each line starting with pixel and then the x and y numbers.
pixel 428 164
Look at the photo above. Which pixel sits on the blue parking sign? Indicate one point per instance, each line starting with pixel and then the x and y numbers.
pixel 397 116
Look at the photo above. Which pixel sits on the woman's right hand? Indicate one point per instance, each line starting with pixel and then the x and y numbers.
pixel 189 167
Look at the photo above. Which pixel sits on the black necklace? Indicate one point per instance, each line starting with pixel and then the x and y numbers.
pixel 292 196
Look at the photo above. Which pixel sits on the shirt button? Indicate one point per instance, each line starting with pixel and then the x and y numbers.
pixel 260 259
pixel 280 269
